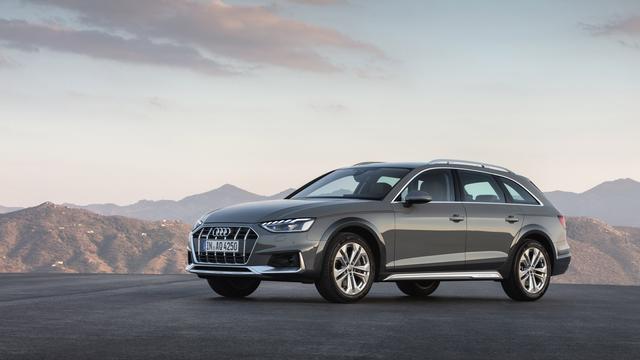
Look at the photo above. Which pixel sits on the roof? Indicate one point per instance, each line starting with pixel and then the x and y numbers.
pixel 403 165
pixel 465 164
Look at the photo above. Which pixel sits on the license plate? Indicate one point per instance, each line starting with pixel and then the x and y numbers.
pixel 222 245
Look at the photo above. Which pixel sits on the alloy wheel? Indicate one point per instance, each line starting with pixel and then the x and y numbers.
pixel 533 270
pixel 351 268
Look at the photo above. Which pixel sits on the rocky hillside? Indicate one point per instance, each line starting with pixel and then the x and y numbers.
pixel 602 254
pixel 57 238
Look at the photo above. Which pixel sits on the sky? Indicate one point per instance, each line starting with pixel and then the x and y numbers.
pixel 117 101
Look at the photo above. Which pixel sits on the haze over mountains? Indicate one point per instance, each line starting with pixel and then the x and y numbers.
pixel 4 209
pixel 187 210
pixel 615 202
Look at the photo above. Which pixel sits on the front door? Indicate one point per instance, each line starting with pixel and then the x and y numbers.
pixel 431 236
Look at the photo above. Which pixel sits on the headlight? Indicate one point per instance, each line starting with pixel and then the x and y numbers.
pixel 288 225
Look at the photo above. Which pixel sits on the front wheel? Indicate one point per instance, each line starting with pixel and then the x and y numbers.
pixel 530 273
pixel 233 287
pixel 348 269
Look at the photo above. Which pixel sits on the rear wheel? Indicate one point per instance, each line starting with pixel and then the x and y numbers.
pixel 530 273
pixel 419 288
pixel 233 287
pixel 348 269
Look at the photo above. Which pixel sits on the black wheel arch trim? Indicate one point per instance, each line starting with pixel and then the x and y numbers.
pixel 530 231
pixel 342 224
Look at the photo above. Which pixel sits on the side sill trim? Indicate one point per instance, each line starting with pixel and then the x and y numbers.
pixel 458 275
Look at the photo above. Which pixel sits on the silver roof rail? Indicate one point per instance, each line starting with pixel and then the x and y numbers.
pixel 367 163
pixel 469 163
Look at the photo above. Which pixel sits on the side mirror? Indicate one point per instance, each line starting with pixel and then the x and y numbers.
pixel 416 197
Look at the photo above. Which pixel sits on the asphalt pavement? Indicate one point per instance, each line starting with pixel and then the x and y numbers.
pixel 69 316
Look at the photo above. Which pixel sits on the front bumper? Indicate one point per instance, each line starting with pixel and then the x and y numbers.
pixel 261 271
pixel 258 264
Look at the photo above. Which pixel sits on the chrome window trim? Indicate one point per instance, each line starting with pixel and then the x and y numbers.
pixel 394 201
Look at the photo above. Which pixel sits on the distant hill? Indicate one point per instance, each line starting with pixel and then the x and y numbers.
pixel 615 202
pixel 188 209
pixel 56 238
pixel 602 254
pixel 4 209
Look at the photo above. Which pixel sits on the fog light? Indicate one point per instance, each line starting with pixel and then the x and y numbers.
pixel 285 260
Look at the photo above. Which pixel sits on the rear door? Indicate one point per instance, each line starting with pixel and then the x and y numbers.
pixel 492 222
pixel 431 236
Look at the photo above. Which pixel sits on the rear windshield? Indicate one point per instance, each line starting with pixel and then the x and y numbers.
pixel 354 183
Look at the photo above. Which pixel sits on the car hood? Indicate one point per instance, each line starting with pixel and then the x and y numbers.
pixel 255 212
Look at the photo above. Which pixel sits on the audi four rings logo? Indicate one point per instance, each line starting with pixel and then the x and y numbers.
pixel 222 231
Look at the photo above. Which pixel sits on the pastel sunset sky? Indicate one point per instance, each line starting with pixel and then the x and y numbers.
pixel 116 101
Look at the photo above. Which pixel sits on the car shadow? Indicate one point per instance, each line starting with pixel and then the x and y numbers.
pixel 370 299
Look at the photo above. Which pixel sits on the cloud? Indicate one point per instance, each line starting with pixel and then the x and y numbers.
pixel 625 31
pixel 628 26
pixel 19 34
pixel 319 2
pixel 210 37
pixel 4 61
pixel 334 108
pixel 156 102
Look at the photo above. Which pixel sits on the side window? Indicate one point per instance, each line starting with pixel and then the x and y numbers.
pixel 517 193
pixel 438 183
pixel 480 187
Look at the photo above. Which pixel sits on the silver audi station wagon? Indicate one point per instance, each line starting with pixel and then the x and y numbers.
pixel 414 224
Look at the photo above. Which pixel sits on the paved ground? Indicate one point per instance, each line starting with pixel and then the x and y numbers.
pixel 137 316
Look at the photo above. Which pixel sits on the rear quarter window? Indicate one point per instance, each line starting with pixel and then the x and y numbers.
pixel 516 193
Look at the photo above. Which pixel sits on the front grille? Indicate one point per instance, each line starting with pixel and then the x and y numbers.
pixel 244 235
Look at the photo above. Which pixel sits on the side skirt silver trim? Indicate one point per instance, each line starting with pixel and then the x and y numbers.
pixel 458 275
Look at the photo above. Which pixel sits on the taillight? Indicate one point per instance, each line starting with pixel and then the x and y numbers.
pixel 563 221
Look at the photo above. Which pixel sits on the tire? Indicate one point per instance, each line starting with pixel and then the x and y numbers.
pixel 540 273
pixel 421 288
pixel 233 287
pixel 348 269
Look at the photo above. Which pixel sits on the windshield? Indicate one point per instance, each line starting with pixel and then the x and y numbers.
pixel 354 183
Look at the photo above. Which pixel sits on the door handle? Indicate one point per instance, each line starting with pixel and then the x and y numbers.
pixel 511 219
pixel 456 218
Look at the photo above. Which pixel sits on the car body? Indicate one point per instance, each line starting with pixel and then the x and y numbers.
pixel 470 228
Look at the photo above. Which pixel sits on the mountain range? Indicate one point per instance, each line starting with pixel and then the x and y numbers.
pixel 614 202
pixel 187 210
pixel 601 253
pixel 57 238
